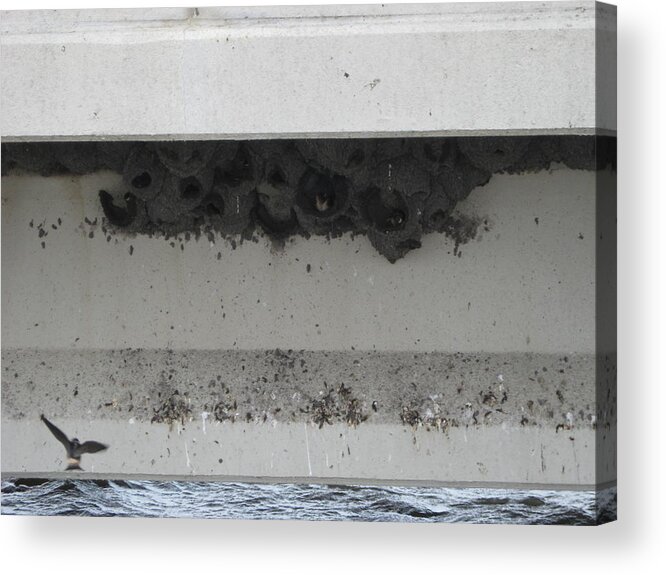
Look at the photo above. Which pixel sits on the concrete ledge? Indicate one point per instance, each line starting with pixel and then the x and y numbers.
pixel 451 69
pixel 507 419
pixel 304 454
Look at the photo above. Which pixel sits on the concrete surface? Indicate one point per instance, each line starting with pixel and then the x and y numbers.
pixel 509 68
pixel 483 365
pixel 526 284
pixel 365 416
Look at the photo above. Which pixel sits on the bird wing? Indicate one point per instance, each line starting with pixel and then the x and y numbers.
pixel 90 447
pixel 59 435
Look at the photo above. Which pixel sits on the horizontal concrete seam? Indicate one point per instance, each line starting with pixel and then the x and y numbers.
pixel 452 132
pixel 452 16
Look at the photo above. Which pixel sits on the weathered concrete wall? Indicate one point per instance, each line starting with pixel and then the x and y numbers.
pixel 525 284
pixel 482 68
pixel 481 360
pixel 325 416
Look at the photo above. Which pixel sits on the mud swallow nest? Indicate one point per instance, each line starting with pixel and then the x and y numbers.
pixel 391 190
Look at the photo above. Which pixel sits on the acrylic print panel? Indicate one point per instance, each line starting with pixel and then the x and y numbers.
pixel 391 313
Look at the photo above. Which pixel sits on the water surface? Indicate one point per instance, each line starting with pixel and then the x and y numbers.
pixel 306 502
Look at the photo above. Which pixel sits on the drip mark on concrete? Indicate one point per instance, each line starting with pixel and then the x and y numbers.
pixel 307 448
pixel 187 455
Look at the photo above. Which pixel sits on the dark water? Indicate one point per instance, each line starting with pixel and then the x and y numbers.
pixel 308 502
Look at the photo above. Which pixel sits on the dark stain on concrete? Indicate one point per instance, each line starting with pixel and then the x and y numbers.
pixel 336 405
pixel 174 409
pixel 434 391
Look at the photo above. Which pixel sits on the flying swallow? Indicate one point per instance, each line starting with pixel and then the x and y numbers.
pixel 74 448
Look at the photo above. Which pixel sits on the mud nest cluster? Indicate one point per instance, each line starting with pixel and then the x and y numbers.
pixel 392 190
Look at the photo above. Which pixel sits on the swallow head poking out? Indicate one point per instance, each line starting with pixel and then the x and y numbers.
pixel 75 449
pixel 324 200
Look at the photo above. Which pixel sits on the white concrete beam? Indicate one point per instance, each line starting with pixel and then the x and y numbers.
pixel 331 71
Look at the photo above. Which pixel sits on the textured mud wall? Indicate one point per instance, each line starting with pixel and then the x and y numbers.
pixel 392 190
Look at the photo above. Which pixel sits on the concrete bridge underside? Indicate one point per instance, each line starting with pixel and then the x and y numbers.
pixel 316 361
